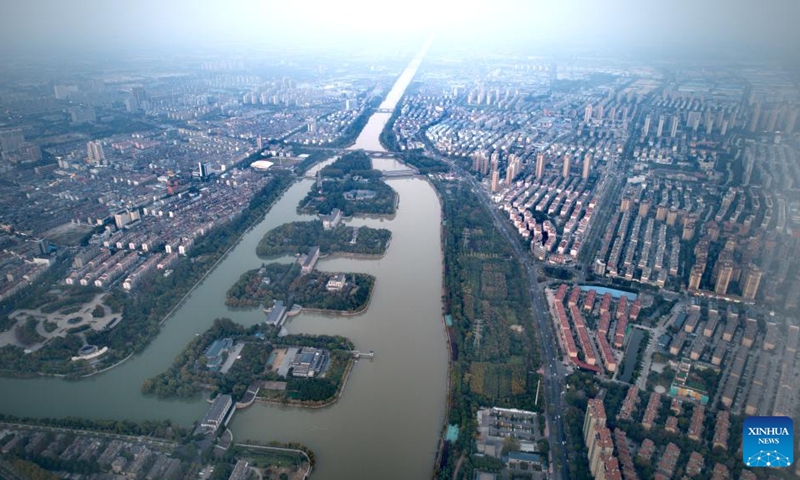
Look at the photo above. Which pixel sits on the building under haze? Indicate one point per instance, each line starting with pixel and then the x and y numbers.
pixel 16 149
pixel 95 154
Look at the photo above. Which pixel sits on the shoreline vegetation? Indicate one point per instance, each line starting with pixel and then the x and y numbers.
pixel 143 311
pixel 481 294
pixel 258 350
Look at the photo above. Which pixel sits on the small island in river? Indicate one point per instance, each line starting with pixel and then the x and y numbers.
pixel 255 363
pixel 351 185
pixel 345 293
pixel 297 237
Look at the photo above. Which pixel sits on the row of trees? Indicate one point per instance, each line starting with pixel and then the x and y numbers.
pixel 151 428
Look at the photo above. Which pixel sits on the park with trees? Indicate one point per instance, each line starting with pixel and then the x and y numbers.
pixel 297 237
pixel 352 172
pixel 189 374
pixel 492 364
pixel 280 281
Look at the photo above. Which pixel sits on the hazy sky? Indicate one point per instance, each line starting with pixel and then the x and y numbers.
pixel 150 23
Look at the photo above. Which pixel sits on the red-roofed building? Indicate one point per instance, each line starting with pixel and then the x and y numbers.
pixel 695 465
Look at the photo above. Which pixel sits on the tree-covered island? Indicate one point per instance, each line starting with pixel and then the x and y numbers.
pixel 298 237
pixel 306 370
pixel 334 292
pixel 351 185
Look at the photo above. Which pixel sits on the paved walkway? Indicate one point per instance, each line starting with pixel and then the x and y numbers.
pixel 83 316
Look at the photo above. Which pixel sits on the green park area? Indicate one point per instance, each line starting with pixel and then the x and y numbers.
pixel 315 290
pixel 492 339
pixel 229 358
pixel 351 185
pixel 298 237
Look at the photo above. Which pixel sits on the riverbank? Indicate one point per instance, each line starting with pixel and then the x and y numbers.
pixel 343 313
pixel 314 405
pixel 448 341
pixel 149 319
pixel 205 275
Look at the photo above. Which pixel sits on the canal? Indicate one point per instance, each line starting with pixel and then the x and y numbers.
pixel 387 423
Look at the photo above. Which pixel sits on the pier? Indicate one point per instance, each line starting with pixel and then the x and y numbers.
pixel 358 354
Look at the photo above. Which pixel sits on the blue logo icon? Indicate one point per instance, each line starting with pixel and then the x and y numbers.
pixel 768 441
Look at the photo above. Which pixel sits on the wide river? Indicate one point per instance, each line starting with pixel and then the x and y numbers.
pixel 387 423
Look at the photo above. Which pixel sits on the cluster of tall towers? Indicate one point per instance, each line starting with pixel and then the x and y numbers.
pixel 566 165
pixel 95 154
pixel 490 165
pixel 483 164
pixel 587 165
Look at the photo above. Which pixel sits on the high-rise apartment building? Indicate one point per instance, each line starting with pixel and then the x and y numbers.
pixel 495 180
pixel 751 283
pixel 11 139
pixel 724 278
pixel 755 118
pixel 539 165
pixel 695 277
pixel 587 165
pixel 95 154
